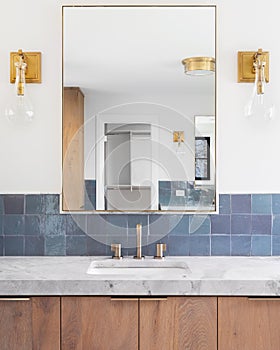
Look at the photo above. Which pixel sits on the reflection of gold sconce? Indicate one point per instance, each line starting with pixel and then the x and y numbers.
pixel 25 67
pixel 253 67
pixel 199 65
pixel 179 138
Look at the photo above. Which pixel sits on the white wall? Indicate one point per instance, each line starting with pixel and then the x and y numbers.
pixel 248 150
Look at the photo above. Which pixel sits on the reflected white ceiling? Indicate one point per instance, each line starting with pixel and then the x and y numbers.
pixel 137 50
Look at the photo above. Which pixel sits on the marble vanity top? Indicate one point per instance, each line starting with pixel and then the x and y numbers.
pixel 251 276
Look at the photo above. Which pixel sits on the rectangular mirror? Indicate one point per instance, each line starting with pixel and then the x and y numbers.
pixel 139 125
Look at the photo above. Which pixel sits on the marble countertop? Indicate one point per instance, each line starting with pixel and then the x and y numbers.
pixel 250 276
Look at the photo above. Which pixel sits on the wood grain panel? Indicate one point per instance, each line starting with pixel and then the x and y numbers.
pixel 179 323
pixel 248 324
pixel 73 149
pixel 98 323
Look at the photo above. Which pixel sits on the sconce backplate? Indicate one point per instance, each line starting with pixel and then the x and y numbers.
pixel 33 69
pixel 246 73
pixel 178 136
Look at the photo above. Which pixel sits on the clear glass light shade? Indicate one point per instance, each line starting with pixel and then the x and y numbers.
pixel 19 109
pixel 260 104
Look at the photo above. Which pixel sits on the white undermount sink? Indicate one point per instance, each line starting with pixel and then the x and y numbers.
pixel 147 267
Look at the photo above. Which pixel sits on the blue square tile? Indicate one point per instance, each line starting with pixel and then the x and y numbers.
pixel 95 247
pixel 164 185
pixel 55 245
pixel 133 220
pixel 240 245
pixel 179 225
pixel 241 203
pixel 159 224
pixel 52 203
pixel 199 225
pixel 96 225
pixel 261 203
pixel 1 246
pixel 178 245
pixel 241 224
pixel 224 204
pixel 35 204
pixel 76 245
pixel 76 224
pixel 14 246
pixel 13 225
pixel 116 224
pixel 200 245
pixel 34 245
pixel 276 224
pixel 14 204
pixel 220 224
pixel 276 203
pixel 55 225
pixel 261 246
pixel 1 225
pixel 276 245
pixel 34 225
pixel 1 205
pixel 261 224
pixel 220 245
pixel 150 248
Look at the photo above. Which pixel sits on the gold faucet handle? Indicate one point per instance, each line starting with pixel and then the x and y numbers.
pixel 117 249
pixel 161 247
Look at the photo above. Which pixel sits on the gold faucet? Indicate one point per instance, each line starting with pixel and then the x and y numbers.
pixel 138 242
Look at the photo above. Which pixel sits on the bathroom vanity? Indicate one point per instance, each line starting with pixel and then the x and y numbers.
pixel 213 303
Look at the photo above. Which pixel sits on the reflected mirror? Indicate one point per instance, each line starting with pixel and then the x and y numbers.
pixel 138 132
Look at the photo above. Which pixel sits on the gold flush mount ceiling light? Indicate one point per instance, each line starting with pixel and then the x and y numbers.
pixel 199 65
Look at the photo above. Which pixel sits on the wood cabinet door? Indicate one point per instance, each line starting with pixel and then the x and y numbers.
pixel 99 323
pixel 178 323
pixel 30 323
pixel 248 323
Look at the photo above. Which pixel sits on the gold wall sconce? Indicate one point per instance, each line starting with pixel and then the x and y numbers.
pixel 199 65
pixel 25 67
pixel 253 67
pixel 179 138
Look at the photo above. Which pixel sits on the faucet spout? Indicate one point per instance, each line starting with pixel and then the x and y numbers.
pixel 138 242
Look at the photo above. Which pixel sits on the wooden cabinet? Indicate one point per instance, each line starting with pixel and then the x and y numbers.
pixel 30 323
pixel 248 323
pixel 173 323
pixel 99 323
pixel 73 149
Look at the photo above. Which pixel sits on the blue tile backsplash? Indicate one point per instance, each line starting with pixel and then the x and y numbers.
pixel 247 224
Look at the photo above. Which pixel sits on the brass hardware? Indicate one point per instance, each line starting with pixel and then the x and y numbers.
pixel 246 70
pixel 14 299
pixel 116 248
pixel 138 242
pixel 161 247
pixel 33 69
pixel 201 65
pixel 178 136
pixel 153 299
pixel 124 299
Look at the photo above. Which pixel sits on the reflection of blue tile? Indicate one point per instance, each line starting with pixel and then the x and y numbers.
pixel 34 245
pixel 179 245
pixel 164 185
pixel 224 204
pixel 76 245
pixel 1 246
pixel 275 245
pixel 199 225
pixel 34 225
pixel 96 248
pixel 241 203
pixel 55 225
pixel 261 224
pixel 14 204
pixel 13 224
pixel 276 203
pixel 261 203
pixel 13 245
pixel 55 245
pixel 220 245
pixel 52 203
pixel 241 245
pixel 179 225
pixel 76 224
pixel 200 245
pixel 35 204
pixel 261 245
pixel 241 224
pixel 276 225
pixel 220 224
